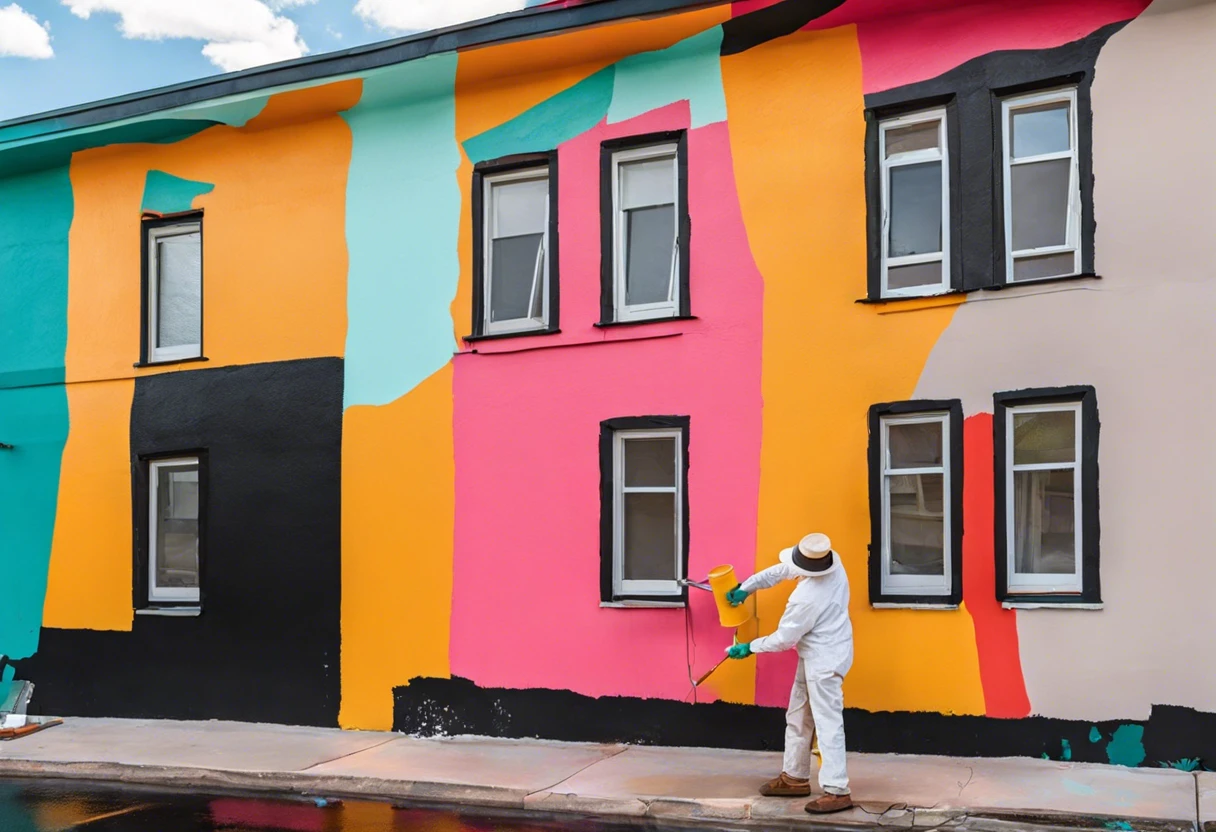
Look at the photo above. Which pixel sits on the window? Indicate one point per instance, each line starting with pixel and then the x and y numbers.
pixel 916 503
pixel 175 507
pixel 644 521
pixel 1042 186
pixel 915 204
pixel 1047 466
pixel 646 229
pixel 515 247
pixel 173 289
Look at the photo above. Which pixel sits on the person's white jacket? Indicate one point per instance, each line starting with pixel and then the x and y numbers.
pixel 816 619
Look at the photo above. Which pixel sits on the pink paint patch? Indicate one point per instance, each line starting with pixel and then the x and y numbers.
pixel 905 41
pixel 526 601
pixel 774 676
pixel 268 814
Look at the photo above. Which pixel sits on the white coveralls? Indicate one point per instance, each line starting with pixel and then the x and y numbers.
pixel 816 621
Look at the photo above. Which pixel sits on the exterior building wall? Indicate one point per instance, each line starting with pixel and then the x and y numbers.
pixel 421 548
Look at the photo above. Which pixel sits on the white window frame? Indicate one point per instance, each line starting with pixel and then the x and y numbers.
pixel 942 154
pixel 540 272
pixel 917 584
pixel 644 311
pixel 157 594
pixel 1072 236
pixel 1023 582
pixel 628 588
pixel 183 351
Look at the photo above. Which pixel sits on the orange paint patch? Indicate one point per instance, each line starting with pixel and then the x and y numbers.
pixel 274 238
pixel 89 585
pixel 798 133
pixel 398 515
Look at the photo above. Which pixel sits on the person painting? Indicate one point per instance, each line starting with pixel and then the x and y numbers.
pixel 816 623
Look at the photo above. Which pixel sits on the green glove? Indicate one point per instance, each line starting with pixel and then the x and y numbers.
pixel 736 596
pixel 739 651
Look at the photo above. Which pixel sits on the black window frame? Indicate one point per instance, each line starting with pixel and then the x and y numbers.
pixel 608 430
pixel 973 93
pixel 608 149
pixel 954 410
pixel 1090 554
pixel 141 499
pixel 494 167
pixel 149 223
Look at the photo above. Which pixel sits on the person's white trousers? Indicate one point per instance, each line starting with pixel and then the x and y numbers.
pixel 817 706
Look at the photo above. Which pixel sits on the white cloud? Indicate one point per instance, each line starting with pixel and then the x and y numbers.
pixel 239 33
pixel 22 36
pixel 418 15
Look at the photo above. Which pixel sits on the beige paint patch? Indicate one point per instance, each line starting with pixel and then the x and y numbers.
pixel 1143 337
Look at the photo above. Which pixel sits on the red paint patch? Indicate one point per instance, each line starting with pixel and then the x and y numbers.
pixel 996 629
pixel 268 814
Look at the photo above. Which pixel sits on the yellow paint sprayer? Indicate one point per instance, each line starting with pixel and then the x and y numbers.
pixel 721 581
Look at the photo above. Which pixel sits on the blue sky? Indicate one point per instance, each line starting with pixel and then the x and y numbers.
pixel 58 53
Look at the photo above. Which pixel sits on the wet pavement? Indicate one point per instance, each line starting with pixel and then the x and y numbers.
pixel 56 806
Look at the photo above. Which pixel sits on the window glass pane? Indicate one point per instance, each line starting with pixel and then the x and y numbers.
pixel 1039 193
pixel 1043 515
pixel 177 526
pixel 916 209
pixel 1040 129
pixel 914 446
pixel 650 537
pixel 917 524
pixel 520 207
pixel 1040 438
pixel 513 266
pixel 650 239
pixel 924 136
pixel 649 182
pixel 912 277
pixel 179 290
pixel 650 462
pixel 1047 265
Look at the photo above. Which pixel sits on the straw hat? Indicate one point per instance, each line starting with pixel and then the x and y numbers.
pixel 808 554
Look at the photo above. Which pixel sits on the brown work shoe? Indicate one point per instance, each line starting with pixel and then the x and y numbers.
pixel 786 786
pixel 825 804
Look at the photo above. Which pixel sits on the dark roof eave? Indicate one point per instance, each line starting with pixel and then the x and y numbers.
pixel 530 22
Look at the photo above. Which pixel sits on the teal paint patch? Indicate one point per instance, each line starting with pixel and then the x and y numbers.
pixel 34 420
pixel 1126 747
pixel 691 71
pixel 558 119
pixel 9 674
pixel 403 208
pixel 1073 787
pixel 165 193
pixel 1095 735
pixel 1066 753
pixel 1119 824
pixel 35 216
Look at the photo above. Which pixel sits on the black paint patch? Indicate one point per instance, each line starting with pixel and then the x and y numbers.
pixel 431 707
pixel 266 645
pixel 746 31
pixel 972 94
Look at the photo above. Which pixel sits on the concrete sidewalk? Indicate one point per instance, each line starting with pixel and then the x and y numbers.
pixel 679 785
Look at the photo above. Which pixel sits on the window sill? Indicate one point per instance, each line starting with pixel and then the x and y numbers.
pixel 624 337
pixel 895 605
pixel 499 336
pixel 644 321
pixel 1051 605
pixel 170 362
pixel 1042 281
pixel 171 612
pixel 934 296
pixel 910 303
pixel 642 605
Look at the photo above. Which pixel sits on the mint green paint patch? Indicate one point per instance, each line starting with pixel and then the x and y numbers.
pixel 1094 734
pixel 35 216
pixel 403 206
pixel 34 420
pixel 691 71
pixel 571 112
pixel 165 193
pixel 1126 747
pixel 1073 787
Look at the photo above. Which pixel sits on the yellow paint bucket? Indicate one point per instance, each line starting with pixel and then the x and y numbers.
pixel 722 580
